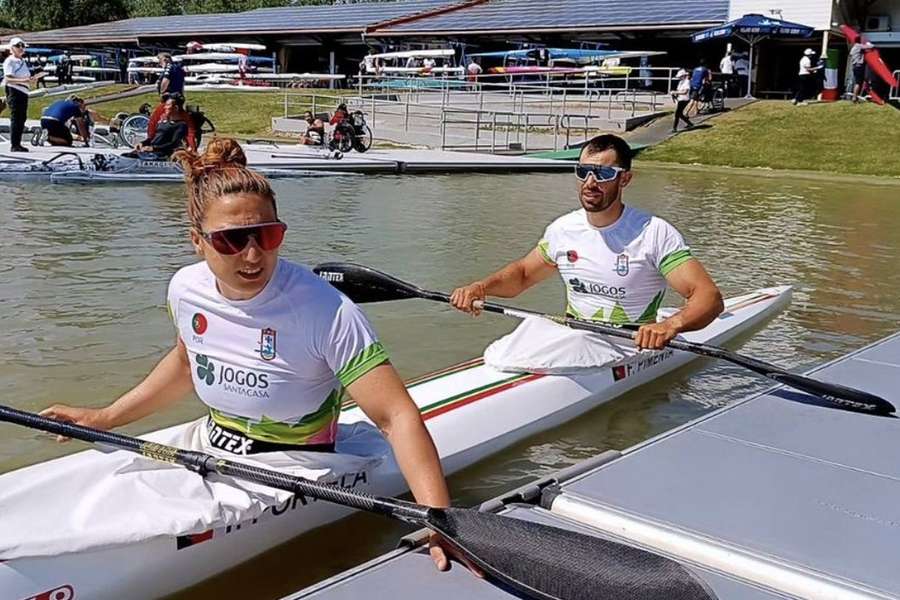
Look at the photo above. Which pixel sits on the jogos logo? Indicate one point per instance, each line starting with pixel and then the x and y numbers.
pixel 65 592
pixel 228 376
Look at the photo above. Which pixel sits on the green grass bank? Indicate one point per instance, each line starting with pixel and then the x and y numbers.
pixel 836 137
pixel 238 114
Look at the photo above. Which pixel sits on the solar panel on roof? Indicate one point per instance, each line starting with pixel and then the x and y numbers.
pixel 551 14
pixel 341 17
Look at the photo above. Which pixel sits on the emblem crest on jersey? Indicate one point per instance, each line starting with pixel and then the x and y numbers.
pixel 199 323
pixel 571 256
pixel 267 344
pixel 622 265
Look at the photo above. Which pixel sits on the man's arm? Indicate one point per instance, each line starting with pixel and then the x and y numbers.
pixel 703 305
pixel 508 282
pixel 163 86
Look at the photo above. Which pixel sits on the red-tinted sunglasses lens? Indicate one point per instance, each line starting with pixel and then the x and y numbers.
pixel 233 241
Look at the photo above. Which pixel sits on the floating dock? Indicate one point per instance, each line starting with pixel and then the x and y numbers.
pixel 777 496
pixel 48 160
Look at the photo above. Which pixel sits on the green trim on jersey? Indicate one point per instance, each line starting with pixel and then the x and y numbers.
pixel 673 260
pixel 372 355
pixel 544 248
pixel 279 432
pixel 649 314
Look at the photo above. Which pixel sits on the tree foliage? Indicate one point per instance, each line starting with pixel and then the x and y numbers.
pixel 40 15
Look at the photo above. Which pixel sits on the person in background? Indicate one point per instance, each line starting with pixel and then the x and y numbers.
pixel 56 119
pixel 726 67
pixel 171 133
pixel 806 80
pixel 123 66
pixel 741 70
pixel 315 131
pixel 701 77
pixel 64 69
pixel 473 72
pixel 17 80
pixel 858 66
pixel 171 80
pixel 682 96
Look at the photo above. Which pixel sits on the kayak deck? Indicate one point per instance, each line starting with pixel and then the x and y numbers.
pixel 776 496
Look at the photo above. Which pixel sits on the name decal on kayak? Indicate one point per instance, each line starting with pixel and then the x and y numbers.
pixel 347 481
pixel 639 363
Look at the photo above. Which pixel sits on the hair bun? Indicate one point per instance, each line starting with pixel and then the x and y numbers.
pixel 220 153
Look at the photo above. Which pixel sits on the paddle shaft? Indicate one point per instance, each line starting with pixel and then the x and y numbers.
pixel 203 463
pixel 833 392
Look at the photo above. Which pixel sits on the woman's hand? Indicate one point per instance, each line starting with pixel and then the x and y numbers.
pixel 96 418
pixel 442 551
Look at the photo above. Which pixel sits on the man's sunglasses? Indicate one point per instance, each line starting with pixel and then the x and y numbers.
pixel 233 240
pixel 18 45
pixel 601 172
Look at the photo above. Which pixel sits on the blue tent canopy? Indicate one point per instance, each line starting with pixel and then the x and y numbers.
pixel 753 28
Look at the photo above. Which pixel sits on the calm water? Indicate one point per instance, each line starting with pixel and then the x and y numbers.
pixel 84 274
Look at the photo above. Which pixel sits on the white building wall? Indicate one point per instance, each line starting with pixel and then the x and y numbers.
pixel 815 13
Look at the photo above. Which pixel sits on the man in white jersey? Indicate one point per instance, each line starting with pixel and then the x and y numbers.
pixel 615 260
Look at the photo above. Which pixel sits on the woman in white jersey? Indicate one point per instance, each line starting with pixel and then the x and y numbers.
pixel 265 343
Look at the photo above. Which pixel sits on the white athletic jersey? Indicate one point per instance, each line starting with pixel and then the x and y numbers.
pixel 615 273
pixel 273 367
pixel 16 67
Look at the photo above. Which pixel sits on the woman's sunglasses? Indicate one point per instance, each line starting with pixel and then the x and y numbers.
pixel 231 241
pixel 601 172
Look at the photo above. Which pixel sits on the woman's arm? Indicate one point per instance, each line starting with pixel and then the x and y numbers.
pixel 169 381
pixel 380 393
pixel 383 397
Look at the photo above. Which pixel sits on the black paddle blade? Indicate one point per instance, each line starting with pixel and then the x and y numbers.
pixel 363 284
pixel 551 563
pixel 839 395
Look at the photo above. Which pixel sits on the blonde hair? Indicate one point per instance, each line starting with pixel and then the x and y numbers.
pixel 221 169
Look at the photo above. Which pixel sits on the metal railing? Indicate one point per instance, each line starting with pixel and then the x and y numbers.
pixel 452 117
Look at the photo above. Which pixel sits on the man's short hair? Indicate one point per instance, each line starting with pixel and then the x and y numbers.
pixel 164 56
pixel 608 141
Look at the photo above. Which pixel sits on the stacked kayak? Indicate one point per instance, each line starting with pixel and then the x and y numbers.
pixel 471 410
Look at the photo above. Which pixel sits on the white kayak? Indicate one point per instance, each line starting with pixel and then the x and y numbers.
pixel 471 410
pixel 91 165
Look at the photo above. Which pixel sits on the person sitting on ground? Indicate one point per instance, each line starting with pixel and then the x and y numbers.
pixel 682 96
pixel 57 118
pixel 169 135
pixel 315 131
pixel 160 111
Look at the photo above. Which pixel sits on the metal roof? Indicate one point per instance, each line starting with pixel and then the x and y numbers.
pixel 354 18
pixel 503 16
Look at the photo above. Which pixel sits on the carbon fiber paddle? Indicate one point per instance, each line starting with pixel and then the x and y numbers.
pixel 540 561
pixel 364 284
